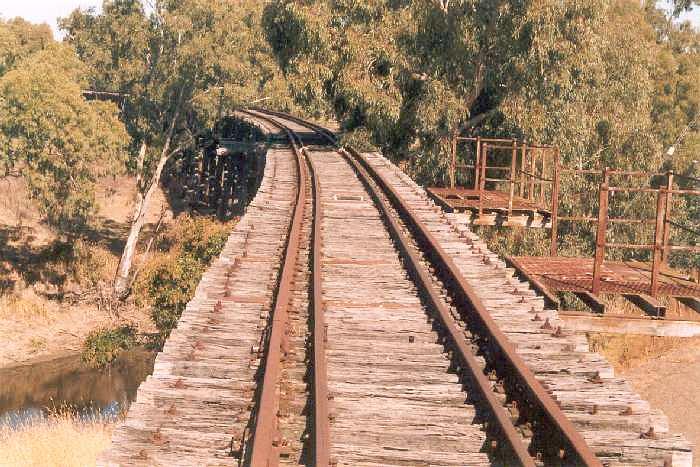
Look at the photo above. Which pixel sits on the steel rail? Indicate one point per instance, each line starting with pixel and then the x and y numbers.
pixel 581 453
pixel 322 445
pixel 515 449
pixel 266 446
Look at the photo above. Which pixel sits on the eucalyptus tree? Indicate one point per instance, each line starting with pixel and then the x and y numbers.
pixel 19 39
pixel 59 142
pixel 179 67
pixel 585 75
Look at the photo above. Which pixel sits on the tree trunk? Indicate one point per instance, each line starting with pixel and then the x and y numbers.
pixel 139 179
pixel 121 281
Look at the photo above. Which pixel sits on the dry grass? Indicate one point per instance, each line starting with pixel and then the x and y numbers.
pixel 625 351
pixel 24 305
pixel 61 440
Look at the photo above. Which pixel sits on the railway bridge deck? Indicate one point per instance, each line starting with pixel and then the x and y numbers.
pixel 349 321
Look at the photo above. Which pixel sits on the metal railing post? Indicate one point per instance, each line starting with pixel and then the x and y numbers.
pixel 453 163
pixel 555 206
pixel 482 179
pixel 523 159
pixel 512 179
pixel 599 258
pixel 665 251
pixel 658 240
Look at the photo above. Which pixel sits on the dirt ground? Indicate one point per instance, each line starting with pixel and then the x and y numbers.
pixel 671 383
pixel 37 322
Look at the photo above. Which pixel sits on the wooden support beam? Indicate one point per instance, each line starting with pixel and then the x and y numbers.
pixel 648 304
pixel 691 302
pixel 587 322
pixel 592 301
pixel 550 299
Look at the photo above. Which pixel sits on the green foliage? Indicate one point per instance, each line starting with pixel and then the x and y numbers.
pixel 19 39
pixel 59 142
pixel 610 82
pixel 169 281
pixel 213 54
pixel 103 346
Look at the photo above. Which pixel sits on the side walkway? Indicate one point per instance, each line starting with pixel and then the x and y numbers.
pixel 195 408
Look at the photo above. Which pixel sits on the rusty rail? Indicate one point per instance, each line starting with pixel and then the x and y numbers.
pixel 265 451
pixel 321 412
pixel 562 428
pixel 515 450
pixel 266 447
pixel 572 448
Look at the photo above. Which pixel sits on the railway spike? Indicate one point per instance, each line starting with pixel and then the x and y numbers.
pixel 547 325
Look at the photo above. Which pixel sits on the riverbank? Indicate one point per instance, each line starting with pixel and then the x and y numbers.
pixel 53 293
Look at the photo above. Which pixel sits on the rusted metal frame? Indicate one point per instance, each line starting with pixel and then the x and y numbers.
pixel 630 246
pixel 684 248
pixel 611 220
pixel 581 171
pixel 676 191
pixel 503 140
pixel 629 173
pixel 542 174
pixel 647 246
pixel 504 426
pixel 554 229
pixel 488 179
pixel 510 146
pixel 532 169
pixel 265 447
pixel 684 227
pixel 321 411
pixel 485 140
pixel 540 179
pixel 658 242
pixel 601 232
pixel 653 190
pixel 562 427
pixel 502 168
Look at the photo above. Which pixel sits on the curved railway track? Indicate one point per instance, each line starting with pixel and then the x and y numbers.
pixel 389 335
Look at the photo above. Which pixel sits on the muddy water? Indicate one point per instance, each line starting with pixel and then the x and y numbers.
pixel 31 391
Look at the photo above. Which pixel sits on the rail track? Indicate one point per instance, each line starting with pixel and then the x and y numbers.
pixel 350 322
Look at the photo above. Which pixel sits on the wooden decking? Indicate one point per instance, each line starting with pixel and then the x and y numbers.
pixel 396 394
pixel 491 207
pixel 195 408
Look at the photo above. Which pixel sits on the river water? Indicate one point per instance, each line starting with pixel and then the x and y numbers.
pixel 29 392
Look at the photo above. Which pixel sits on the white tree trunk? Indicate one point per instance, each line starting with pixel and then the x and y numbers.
pixel 121 281
pixel 138 199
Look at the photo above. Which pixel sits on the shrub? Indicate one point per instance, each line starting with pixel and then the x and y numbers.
pixel 103 346
pixel 169 280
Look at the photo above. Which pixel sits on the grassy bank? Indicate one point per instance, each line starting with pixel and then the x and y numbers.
pixel 60 440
